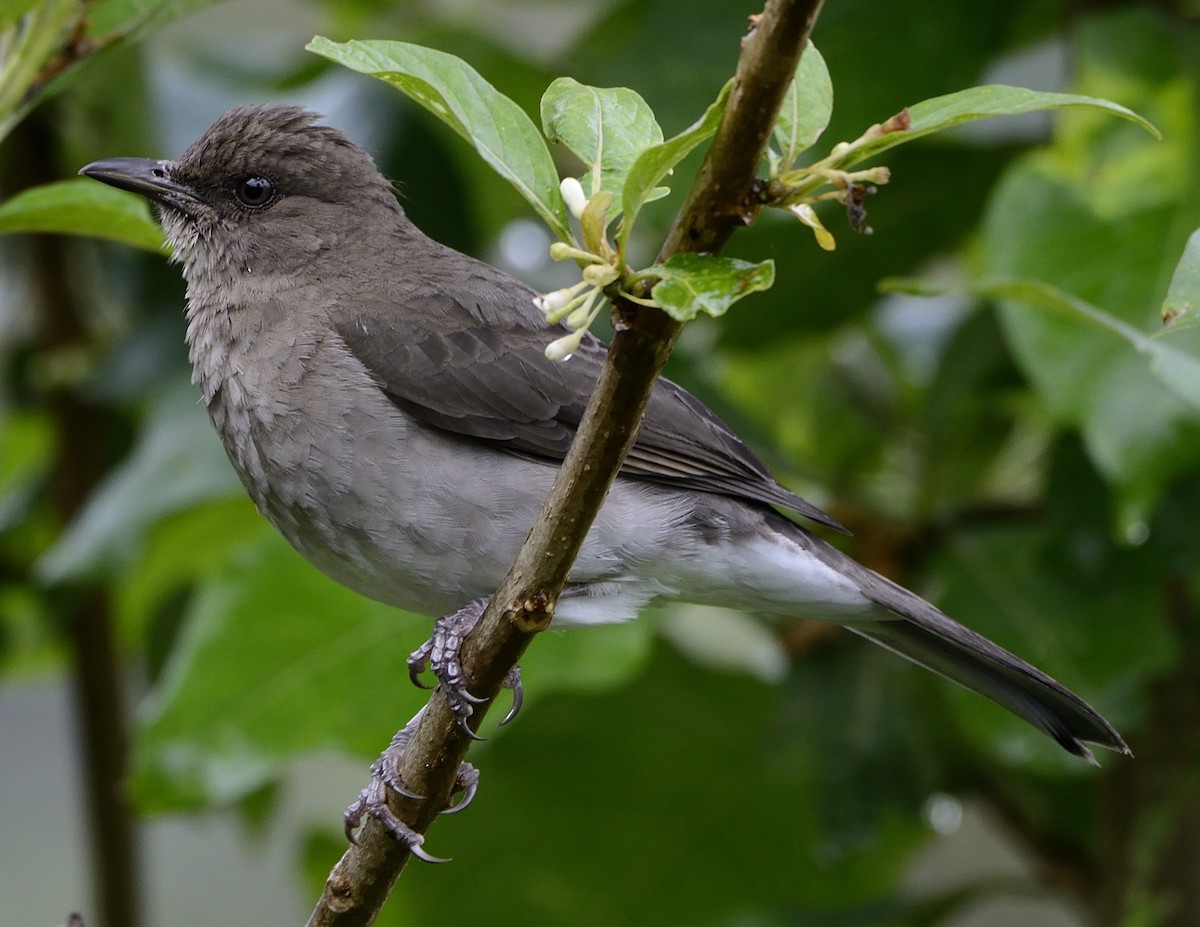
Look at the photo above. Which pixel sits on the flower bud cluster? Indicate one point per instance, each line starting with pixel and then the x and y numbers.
pixel 577 306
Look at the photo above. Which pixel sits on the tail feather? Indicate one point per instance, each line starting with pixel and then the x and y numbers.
pixel 973 661
pixel 930 639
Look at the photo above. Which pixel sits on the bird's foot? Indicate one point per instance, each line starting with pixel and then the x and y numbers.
pixel 441 654
pixel 385 774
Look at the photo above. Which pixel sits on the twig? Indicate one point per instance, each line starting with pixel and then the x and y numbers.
pixel 721 201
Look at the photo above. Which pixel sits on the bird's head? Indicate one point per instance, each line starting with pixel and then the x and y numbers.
pixel 264 190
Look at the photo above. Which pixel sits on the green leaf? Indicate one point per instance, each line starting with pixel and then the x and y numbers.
pixel 30 38
pixel 180 550
pixel 1052 219
pixel 607 127
pixel 807 106
pixel 277 660
pixel 653 164
pixel 1183 295
pixel 82 207
pixel 606 753
pixel 693 283
pixel 595 219
pixel 1173 368
pixel 48 43
pixel 454 92
pixel 593 659
pixel 274 660
pixel 177 462
pixel 1177 370
pixel 941 113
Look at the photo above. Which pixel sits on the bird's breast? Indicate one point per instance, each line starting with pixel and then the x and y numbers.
pixel 363 492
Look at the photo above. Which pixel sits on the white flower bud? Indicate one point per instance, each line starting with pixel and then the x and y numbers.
pixel 552 302
pixel 879 175
pixel 579 318
pixel 558 300
pixel 562 349
pixel 573 195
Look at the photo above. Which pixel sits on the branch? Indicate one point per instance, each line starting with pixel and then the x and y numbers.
pixel 83 431
pixel 721 200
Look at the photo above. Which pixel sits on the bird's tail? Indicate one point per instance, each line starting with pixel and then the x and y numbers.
pixel 930 639
pixel 973 661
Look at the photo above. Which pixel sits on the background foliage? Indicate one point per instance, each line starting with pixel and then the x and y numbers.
pixel 1027 471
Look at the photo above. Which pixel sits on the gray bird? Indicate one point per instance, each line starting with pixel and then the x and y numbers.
pixel 387 403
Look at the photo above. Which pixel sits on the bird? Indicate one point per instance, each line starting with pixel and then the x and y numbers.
pixel 388 405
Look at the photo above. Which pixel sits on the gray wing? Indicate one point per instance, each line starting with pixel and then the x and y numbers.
pixel 494 384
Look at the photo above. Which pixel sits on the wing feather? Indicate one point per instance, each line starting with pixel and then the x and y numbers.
pixel 473 378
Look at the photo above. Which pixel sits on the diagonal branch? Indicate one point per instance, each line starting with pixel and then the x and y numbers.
pixel 721 200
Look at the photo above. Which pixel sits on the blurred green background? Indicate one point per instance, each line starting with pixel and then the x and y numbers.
pixel 1026 472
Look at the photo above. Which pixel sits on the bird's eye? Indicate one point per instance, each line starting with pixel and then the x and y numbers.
pixel 254 192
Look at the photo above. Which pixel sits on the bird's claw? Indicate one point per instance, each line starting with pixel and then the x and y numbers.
pixel 441 654
pixel 518 693
pixel 385 775
pixel 467 782
pixel 417 850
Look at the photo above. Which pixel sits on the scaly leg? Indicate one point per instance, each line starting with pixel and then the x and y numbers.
pixel 441 654
pixel 385 774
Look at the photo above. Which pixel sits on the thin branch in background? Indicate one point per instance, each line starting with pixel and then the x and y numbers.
pixel 97 676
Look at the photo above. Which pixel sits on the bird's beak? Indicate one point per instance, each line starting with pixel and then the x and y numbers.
pixel 146 176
